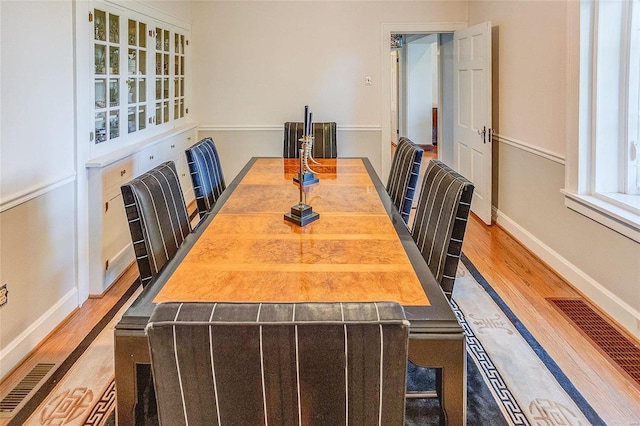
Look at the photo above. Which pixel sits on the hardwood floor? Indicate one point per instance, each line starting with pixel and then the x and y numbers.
pixel 524 283
pixel 521 279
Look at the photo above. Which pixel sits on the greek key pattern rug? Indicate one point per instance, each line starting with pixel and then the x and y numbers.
pixel 526 384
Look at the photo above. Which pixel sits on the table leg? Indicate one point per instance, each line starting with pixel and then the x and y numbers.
pixel 130 350
pixel 449 354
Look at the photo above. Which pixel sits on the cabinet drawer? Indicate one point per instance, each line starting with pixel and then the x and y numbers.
pixel 175 147
pixel 152 156
pixel 115 175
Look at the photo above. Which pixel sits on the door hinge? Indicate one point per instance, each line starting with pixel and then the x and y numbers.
pixel 106 265
pixel 90 136
pixel 90 16
pixel 187 42
pixel 186 111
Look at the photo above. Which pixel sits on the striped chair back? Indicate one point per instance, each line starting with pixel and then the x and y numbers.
pixel 206 174
pixel 158 219
pixel 324 142
pixel 441 220
pixel 279 363
pixel 403 177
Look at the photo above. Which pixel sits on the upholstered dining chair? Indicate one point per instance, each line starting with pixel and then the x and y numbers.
pixel 158 218
pixel 206 174
pixel 279 363
pixel 441 220
pixel 403 177
pixel 324 141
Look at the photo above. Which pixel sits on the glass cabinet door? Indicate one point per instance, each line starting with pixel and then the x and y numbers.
pixel 163 39
pixel 136 76
pixel 136 81
pixel 106 49
pixel 178 91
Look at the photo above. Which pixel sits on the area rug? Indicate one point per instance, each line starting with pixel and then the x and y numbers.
pixel 511 378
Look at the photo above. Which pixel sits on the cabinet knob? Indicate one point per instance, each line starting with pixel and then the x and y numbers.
pixel 123 172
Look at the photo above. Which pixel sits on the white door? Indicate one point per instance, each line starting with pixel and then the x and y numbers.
pixel 472 113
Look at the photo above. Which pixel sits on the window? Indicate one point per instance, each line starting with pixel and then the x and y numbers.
pixel 138 77
pixel 606 181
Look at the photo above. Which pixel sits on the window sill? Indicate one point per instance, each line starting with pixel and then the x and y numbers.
pixel 620 220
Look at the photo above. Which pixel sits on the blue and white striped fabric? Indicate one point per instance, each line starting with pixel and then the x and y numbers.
pixel 403 177
pixel 441 221
pixel 279 363
pixel 158 218
pixel 206 174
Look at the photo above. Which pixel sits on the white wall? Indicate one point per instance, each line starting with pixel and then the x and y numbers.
pixel 535 123
pixel 420 95
pixel 37 136
pixel 37 174
pixel 257 63
pixel 445 113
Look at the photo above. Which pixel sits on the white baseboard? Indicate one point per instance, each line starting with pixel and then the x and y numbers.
pixel 625 315
pixel 13 353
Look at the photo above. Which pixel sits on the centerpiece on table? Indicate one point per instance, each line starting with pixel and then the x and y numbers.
pixel 302 213
pixel 307 175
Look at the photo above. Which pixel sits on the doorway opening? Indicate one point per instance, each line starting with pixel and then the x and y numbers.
pixel 422 92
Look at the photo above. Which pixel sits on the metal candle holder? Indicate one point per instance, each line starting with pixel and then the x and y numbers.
pixel 307 175
pixel 302 214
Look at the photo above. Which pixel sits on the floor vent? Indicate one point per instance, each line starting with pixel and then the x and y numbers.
pixel 610 340
pixel 20 394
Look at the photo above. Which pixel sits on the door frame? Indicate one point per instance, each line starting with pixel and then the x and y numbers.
pixel 387 30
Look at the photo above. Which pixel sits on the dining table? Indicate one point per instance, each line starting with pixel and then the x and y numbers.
pixel 359 249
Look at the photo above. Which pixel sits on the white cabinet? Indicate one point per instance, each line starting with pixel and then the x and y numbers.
pixel 139 75
pixel 110 247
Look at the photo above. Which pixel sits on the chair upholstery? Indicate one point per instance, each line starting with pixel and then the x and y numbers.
pixel 279 363
pixel 157 216
pixel 441 221
pixel 403 177
pixel 324 142
pixel 206 174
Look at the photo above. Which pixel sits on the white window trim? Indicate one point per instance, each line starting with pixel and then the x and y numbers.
pixel 579 195
pixel 609 215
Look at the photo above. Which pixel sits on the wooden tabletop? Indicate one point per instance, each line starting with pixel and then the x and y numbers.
pixel 249 253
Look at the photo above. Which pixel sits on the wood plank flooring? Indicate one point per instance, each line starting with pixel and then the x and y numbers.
pixel 521 279
pixel 524 283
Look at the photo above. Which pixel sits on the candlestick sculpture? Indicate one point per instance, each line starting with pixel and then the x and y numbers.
pixel 301 214
pixel 306 175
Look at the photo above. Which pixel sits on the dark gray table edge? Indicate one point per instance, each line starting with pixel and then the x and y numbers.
pixel 437 319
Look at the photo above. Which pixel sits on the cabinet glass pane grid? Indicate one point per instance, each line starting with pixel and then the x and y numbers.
pixel 165 94
pixel 179 76
pixel 106 69
pixel 124 63
pixel 136 81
